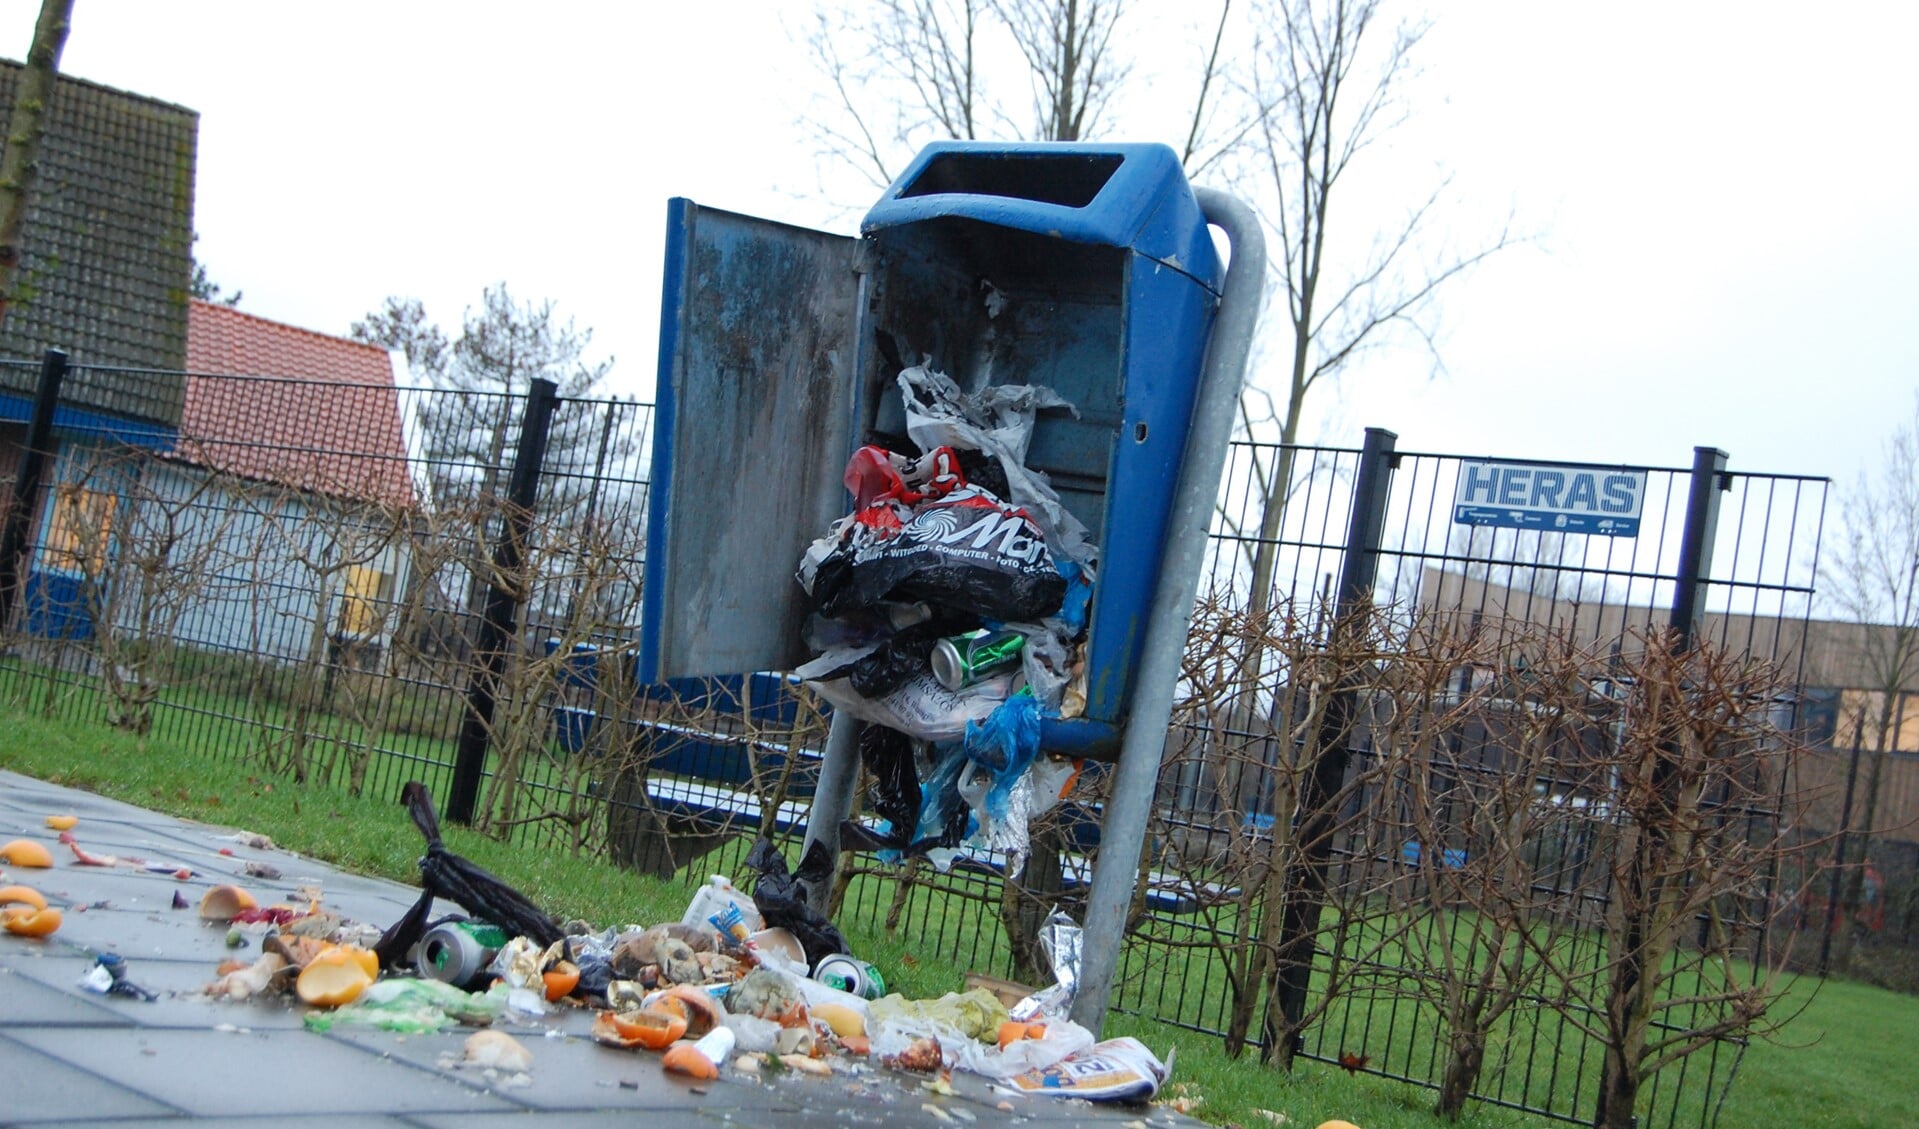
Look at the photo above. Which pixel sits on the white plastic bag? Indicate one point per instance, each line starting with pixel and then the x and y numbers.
pixel 1062 1040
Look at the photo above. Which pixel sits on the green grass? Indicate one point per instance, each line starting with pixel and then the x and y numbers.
pixel 1843 1062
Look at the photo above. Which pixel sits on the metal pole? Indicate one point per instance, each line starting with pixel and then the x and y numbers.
pixel 833 799
pixel 1839 848
pixel 25 500
pixel 503 597
pixel 1130 804
pixel 1709 480
pixel 1318 812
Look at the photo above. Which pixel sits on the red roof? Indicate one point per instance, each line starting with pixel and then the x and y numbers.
pixel 283 404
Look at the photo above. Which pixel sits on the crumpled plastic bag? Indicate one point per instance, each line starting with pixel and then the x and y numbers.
pixel 966 1025
pixel 413 1006
pixel 920 707
pixel 996 420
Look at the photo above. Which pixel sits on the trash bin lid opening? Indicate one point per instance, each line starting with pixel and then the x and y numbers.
pixel 1070 180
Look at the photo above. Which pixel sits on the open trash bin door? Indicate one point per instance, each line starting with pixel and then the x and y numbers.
pixel 755 414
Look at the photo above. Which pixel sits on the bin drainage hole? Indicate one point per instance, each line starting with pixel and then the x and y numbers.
pixel 1139 433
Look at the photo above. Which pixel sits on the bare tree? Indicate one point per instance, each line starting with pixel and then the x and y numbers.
pixel 1329 84
pixel 1871 577
pixel 19 162
pixel 901 73
pixel 150 542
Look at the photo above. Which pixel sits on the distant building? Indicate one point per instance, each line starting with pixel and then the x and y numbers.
pixel 106 254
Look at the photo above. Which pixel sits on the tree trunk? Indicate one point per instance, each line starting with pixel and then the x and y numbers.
pixel 20 162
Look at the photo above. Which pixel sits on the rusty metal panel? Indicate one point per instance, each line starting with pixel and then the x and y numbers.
pixel 755 406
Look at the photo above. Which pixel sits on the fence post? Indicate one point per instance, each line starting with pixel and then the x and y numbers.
pixel 1306 879
pixel 25 499
pixel 503 597
pixel 1709 480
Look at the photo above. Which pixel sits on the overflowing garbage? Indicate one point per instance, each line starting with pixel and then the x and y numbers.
pixel 951 619
pixel 743 984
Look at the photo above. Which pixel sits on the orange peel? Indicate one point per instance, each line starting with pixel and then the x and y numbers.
pixel 334 977
pixel 22 895
pixel 702 1012
pixel 686 1059
pixel 653 1028
pixel 561 979
pixel 25 921
pixel 63 822
pixel 26 852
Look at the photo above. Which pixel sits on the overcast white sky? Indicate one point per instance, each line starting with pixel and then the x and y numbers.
pixel 1725 192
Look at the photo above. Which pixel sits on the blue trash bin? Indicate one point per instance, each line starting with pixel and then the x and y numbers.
pixel 1083 267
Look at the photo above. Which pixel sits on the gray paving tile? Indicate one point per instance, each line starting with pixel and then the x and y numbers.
pixel 569 1074
pixel 533 1119
pixel 180 1002
pixel 319 1121
pixel 42 1088
pixel 26 1001
pixel 217 1074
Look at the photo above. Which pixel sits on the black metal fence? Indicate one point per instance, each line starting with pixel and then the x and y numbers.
pixel 357 584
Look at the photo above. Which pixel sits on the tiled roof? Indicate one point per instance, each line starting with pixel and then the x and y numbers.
pixel 281 404
pixel 106 248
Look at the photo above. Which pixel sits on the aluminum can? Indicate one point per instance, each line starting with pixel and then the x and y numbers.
pixel 457 952
pixel 962 660
pixel 852 976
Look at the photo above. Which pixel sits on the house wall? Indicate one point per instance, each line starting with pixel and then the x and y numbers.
pixel 258 592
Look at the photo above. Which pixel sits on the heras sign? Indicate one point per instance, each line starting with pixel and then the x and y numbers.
pixel 1559 498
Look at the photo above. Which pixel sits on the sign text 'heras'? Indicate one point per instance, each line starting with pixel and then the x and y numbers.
pixel 1562 499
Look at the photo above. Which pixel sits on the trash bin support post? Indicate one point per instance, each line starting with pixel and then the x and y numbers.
pixel 1128 808
pixel 832 799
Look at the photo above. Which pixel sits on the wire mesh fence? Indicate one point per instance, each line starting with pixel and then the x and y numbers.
pixel 1385 840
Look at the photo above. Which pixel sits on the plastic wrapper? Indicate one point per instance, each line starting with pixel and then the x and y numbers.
pixel 413 1006
pixel 592 953
pixel 1061 939
pixel 965 1026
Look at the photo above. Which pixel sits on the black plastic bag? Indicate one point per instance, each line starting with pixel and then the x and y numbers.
pixel 447 875
pixel 781 898
pixel 888 756
pixel 968 550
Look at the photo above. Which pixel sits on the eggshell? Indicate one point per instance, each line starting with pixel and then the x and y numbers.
pixel 222 902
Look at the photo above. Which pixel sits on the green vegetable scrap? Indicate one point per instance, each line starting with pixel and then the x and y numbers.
pixel 413 1007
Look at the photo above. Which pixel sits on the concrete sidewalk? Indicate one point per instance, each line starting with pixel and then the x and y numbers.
pixel 70 1057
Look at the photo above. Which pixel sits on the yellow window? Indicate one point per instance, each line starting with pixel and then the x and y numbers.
pixel 80 529
pixel 360 605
